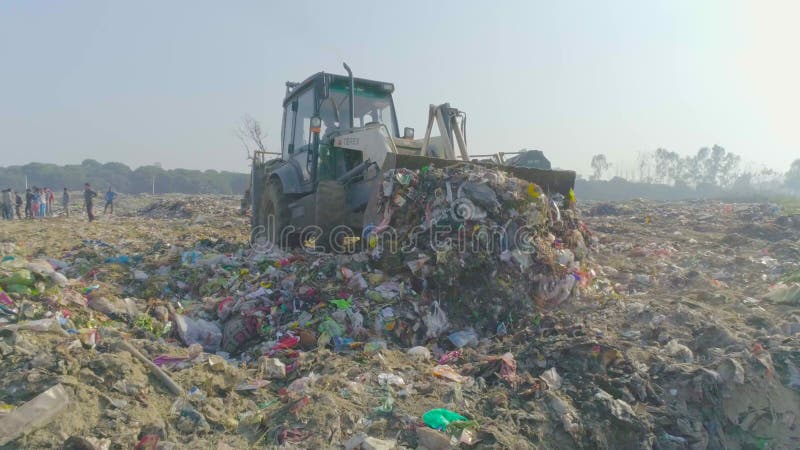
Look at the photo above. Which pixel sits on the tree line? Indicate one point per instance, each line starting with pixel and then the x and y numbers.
pixel 710 168
pixel 123 179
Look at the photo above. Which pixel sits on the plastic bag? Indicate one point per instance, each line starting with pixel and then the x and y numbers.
pixel 390 379
pixel 40 325
pixel 463 338
pixel 6 300
pixel 785 294
pixel 225 308
pixel 552 378
pixel 375 346
pixel 435 321
pixel 58 278
pixel 480 193
pixel 18 289
pixel 190 257
pixel 439 418
pixel 341 303
pixel 121 259
pixel 199 331
pixel 419 352
pixel 556 290
pixel 448 373
pixel 181 407
pixel 331 327
pixel 301 386
pixel 22 277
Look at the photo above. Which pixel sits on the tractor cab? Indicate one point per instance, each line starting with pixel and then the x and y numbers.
pixel 318 109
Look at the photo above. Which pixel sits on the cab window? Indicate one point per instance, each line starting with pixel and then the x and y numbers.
pixel 296 123
pixel 302 122
pixel 288 126
pixel 371 105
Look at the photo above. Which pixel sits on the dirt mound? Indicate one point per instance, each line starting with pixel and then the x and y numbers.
pixel 167 209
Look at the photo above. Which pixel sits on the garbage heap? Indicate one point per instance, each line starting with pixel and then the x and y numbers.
pixel 464 249
pixel 488 248
pixel 179 206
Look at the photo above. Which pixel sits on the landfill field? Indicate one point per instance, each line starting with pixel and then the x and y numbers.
pixel 480 313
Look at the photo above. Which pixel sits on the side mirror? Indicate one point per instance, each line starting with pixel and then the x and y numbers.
pixel 408 133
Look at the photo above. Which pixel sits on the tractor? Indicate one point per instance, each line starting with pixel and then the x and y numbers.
pixel 339 135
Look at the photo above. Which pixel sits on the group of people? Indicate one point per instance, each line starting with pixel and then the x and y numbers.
pixel 40 202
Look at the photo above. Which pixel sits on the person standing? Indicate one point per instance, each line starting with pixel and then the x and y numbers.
pixel 51 201
pixel 65 201
pixel 43 202
pixel 18 204
pixel 110 196
pixel 88 199
pixel 28 203
pixel 7 214
pixel 37 197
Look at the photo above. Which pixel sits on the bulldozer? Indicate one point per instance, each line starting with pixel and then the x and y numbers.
pixel 339 135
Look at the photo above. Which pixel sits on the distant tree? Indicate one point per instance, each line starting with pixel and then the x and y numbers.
pixel 599 165
pixel 719 167
pixel 92 163
pixel 743 182
pixel 697 167
pixel 709 167
pixel 668 166
pixel 645 162
pixel 793 177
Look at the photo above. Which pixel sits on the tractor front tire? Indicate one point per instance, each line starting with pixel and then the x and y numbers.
pixel 275 214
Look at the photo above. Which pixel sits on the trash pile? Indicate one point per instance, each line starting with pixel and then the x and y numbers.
pixel 179 206
pixel 678 330
pixel 492 248
pixel 167 209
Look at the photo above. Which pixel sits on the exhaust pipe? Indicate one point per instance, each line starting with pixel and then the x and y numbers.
pixel 352 95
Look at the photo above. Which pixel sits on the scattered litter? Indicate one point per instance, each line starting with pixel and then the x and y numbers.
pixel 667 325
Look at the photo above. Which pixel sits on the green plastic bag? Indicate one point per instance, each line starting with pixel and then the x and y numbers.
pixel 331 328
pixel 439 418
pixel 23 277
pixel 341 303
pixel 18 289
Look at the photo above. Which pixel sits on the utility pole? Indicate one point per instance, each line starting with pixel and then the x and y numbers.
pixel 154 185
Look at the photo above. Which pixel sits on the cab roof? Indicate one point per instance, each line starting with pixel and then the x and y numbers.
pixel 317 79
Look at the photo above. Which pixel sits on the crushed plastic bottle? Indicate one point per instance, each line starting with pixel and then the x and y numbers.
pixel 36 413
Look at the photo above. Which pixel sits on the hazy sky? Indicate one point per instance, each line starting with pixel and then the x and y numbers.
pixel 168 81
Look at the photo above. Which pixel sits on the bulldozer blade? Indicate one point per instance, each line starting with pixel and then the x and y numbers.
pixel 551 181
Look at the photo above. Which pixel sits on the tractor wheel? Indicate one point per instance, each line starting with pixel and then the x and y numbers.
pixel 274 213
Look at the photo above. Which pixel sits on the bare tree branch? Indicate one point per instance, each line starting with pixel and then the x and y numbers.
pixel 251 136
